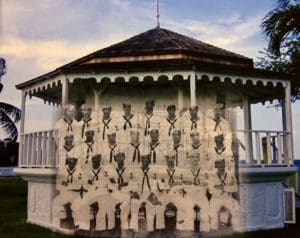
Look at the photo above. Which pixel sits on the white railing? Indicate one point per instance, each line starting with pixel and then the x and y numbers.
pixel 261 148
pixel 38 150
pixel 253 148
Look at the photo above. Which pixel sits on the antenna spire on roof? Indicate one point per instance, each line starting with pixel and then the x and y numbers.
pixel 157 13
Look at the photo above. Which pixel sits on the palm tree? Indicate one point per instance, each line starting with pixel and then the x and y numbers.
pixel 282 24
pixel 9 114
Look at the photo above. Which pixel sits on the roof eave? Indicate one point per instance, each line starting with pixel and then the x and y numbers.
pixel 222 64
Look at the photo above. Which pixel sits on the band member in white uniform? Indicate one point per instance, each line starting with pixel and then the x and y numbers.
pixel 87 121
pixel 109 150
pixel 218 125
pixel 67 125
pixel 178 147
pixel 68 149
pixel 149 119
pixel 134 147
pixel 156 147
pixel 106 122
pixel 90 146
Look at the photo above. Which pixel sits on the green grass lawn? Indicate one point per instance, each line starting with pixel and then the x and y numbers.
pixel 13 203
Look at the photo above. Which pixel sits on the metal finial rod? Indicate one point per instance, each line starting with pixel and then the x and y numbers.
pixel 157 13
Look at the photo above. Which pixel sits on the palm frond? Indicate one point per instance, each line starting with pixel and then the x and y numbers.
pixel 11 111
pixel 8 125
pixel 281 23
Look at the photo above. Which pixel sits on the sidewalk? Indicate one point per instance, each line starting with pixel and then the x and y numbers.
pixel 6 172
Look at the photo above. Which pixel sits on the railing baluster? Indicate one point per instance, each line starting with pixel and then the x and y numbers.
pixel 44 149
pixel 34 139
pixel 21 147
pixel 269 152
pixel 29 158
pixel 39 146
pixel 48 148
pixel 25 151
pixel 279 148
pixel 55 148
pixel 258 151
pixel 52 150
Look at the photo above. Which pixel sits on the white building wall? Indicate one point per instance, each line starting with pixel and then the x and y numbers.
pixel 261 206
pixel 40 197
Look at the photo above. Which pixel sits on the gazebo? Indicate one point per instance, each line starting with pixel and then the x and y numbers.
pixel 178 71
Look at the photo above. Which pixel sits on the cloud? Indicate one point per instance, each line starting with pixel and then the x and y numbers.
pixel 233 19
pixel 234 33
pixel 51 53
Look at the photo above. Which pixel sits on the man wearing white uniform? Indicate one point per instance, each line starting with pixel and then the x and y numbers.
pixel 90 146
pixel 106 122
pixel 218 125
pixel 156 148
pixel 194 118
pixel 68 149
pixel 150 119
pixel 86 121
pixel 66 125
pixel 134 147
pixel 177 146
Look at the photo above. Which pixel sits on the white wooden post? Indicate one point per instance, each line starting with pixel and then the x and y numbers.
pixel 288 127
pixel 65 92
pixel 248 127
pixel 22 126
pixel 179 99
pixel 284 134
pixel 23 105
pixel 97 94
pixel 96 100
pixel 193 89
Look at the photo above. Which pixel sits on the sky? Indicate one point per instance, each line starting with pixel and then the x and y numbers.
pixel 37 36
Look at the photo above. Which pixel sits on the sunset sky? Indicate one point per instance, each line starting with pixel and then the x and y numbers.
pixel 37 36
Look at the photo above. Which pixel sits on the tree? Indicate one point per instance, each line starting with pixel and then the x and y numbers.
pixel 9 114
pixel 282 27
pixel 282 24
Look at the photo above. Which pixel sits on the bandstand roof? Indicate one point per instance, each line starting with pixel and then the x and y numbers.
pixel 155 52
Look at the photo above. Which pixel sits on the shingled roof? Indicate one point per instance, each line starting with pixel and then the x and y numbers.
pixel 162 41
pixel 157 46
